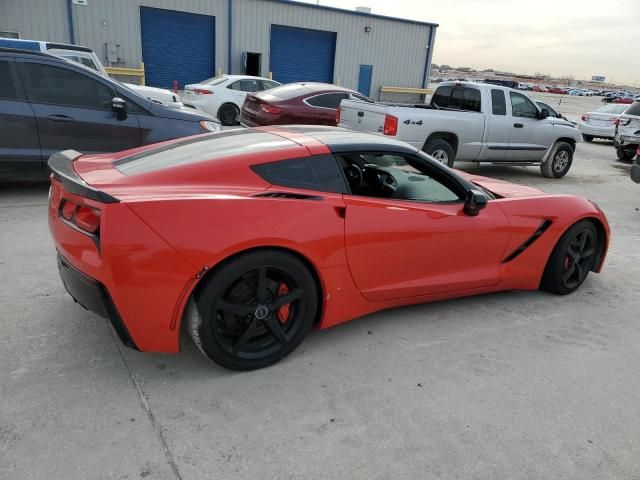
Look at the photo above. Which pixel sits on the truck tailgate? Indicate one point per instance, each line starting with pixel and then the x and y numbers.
pixel 362 116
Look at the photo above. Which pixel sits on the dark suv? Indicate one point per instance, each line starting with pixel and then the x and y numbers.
pixel 49 104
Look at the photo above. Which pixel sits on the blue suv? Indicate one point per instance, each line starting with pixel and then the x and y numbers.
pixel 48 104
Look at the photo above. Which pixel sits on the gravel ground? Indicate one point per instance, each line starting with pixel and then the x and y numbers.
pixel 516 385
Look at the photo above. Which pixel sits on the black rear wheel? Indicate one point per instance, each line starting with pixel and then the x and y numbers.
pixel 255 310
pixel 625 154
pixel 572 259
pixel 228 114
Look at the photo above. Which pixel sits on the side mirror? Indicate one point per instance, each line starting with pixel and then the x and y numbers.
pixel 476 201
pixel 635 172
pixel 119 106
pixel 544 113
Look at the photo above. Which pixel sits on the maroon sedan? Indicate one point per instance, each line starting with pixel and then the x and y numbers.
pixel 296 103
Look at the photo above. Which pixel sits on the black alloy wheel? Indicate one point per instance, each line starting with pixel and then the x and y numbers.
pixel 572 259
pixel 256 310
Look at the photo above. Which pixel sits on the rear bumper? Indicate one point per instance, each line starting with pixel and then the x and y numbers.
pixel 93 296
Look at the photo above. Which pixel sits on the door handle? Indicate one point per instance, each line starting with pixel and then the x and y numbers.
pixel 518 125
pixel 361 114
pixel 60 118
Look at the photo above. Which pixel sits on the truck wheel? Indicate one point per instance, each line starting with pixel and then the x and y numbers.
pixel 440 150
pixel 625 155
pixel 559 162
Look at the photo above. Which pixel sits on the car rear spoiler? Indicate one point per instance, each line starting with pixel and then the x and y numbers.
pixel 61 166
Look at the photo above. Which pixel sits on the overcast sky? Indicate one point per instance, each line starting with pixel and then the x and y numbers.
pixel 560 37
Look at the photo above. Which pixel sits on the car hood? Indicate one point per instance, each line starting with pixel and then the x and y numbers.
pixel 500 187
pixel 180 113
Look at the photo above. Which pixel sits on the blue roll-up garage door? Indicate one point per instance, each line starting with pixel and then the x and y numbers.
pixel 302 55
pixel 176 46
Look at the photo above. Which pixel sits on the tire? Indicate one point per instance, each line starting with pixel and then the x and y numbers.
pixel 441 151
pixel 238 323
pixel 228 114
pixel 588 138
pixel 559 162
pixel 625 155
pixel 572 259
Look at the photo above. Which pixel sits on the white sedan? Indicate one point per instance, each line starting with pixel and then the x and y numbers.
pixel 223 96
pixel 601 123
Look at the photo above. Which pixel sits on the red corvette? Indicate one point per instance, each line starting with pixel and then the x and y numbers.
pixel 249 238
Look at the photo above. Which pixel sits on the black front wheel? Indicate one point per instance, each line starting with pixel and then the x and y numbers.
pixel 255 310
pixel 572 259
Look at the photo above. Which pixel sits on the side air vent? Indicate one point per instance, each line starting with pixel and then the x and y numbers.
pixel 295 196
pixel 530 241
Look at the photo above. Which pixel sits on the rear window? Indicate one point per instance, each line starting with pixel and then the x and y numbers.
pixel 214 81
pixel 218 145
pixel 633 109
pixel 458 98
pixel 289 91
pixel 613 109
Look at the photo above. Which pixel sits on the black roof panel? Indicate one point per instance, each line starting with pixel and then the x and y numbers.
pixel 344 140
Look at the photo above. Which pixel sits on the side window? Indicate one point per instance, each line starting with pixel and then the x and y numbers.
pixel 250 86
pixel 521 106
pixel 498 102
pixel 235 85
pixel 397 176
pixel 441 97
pixel 267 84
pixel 471 100
pixel 327 100
pixel 320 172
pixel 59 86
pixel 7 88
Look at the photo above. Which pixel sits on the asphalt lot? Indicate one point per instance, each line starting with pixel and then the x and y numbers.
pixel 518 385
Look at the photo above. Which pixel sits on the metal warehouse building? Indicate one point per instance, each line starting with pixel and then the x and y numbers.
pixel 190 40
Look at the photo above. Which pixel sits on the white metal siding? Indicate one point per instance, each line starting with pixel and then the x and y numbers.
pixel 36 19
pixel 397 50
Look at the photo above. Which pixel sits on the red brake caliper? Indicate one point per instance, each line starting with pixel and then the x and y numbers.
pixel 285 310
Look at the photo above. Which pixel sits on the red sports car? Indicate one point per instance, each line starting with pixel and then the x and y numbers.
pixel 296 103
pixel 249 238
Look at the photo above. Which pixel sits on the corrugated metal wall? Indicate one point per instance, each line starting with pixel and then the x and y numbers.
pixel 36 19
pixel 118 21
pixel 397 50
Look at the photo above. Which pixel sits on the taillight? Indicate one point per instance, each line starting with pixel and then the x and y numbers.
pixel 270 109
pixel 585 117
pixel 338 116
pixel 390 125
pixel 202 91
pixel 84 217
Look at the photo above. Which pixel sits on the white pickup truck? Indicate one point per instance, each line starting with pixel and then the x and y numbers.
pixel 473 122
